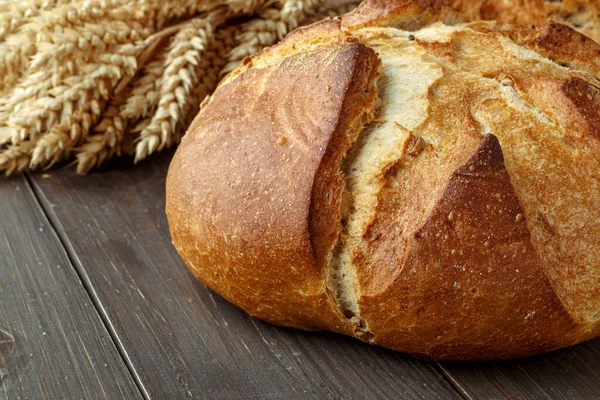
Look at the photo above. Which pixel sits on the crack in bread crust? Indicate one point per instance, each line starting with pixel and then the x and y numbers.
pixel 473 246
pixel 384 143
pixel 474 94
pixel 241 187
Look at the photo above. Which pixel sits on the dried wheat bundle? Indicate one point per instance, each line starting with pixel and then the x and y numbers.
pixel 88 80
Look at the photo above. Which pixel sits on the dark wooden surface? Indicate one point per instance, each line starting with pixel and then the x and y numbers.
pixel 53 343
pixel 179 340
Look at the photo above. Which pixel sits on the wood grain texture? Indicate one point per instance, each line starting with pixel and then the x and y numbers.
pixel 572 373
pixel 184 341
pixel 53 343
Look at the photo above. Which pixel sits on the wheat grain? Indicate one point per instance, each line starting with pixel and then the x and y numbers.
pixel 44 90
pixel 17 49
pixel 215 61
pixel 108 137
pixel 211 63
pixel 143 97
pixel 39 20
pixel 271 26
pixel 179 78
pixel 138 100
pixel 75 26
pixel 145 92
pixel 15 14
pixel 35 116
pixel 16 157
pixel 105 142
pixel 59 142
pixel 5 136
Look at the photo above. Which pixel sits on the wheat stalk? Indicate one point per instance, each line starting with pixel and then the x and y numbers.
pixel 271 26
pixel 92 81
pixel 145 92
pixel 185 61
pixel 135 114
pixel 17 49
pixel 87 80
pixel 65 27
pixel 135 101
pixel 106 142
pixel 213 60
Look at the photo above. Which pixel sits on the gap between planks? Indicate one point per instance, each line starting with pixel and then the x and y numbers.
pixel 75 264
pixel 462 392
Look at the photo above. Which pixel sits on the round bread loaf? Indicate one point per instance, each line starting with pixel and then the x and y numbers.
pixel 397 176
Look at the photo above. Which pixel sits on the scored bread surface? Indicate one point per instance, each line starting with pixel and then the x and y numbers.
pixel 582 15
pixel 432 187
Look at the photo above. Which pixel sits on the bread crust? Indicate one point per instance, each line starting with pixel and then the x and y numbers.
pixel 241 189
pixel 450 298
pixel 448 225
pixel 581 15
pixel 561 44
pixel 401 14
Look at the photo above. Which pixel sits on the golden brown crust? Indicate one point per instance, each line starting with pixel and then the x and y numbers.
pixel 462 224
pixel 239 198
pixel 586 98
pixel 562 44
pixel 581 15
pixel 403 14
pixel 300 40
pixel 450 299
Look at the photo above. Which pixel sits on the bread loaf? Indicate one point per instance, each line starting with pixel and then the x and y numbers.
pixel 401 177
pixel 582 15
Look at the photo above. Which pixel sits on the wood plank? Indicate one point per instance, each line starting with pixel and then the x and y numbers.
pixel 53 343
pixel 184 341
pixel 570 374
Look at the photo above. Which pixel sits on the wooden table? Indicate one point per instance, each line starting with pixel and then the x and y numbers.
pixel 95 303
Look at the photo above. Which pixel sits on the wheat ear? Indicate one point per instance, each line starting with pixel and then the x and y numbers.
pixel 16 14
pixel 177 82
pixel 133 115
pixel 271 26
pixel 74 81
